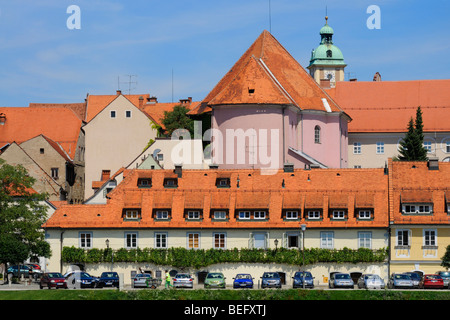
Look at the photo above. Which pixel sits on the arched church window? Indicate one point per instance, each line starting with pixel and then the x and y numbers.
pixel 316 134
pixel 329 53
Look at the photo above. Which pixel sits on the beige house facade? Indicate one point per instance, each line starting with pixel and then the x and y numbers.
pixel 114 137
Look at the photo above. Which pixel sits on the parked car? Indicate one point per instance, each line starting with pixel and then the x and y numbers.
pixel 81 278
pixel 298 280
pixel 400 280
pixel 340 280
pixel 271 280
pixel 215 280
pixel 108 279
pixel 140 280
pixel 415 277
pixel 243 280
pixel 26 271
pixel 53 280
pixel 369 280
pixel 434 281
pixel 445 275
pixel 184 280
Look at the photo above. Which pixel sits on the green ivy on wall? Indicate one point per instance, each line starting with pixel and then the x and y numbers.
pixel 182 258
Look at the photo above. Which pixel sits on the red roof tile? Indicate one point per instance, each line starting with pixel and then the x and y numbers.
pixel 387 106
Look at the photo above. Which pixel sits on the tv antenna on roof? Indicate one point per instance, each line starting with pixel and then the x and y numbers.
pixel 129 82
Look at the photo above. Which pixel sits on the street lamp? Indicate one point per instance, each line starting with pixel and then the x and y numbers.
pixel 276 244
pixel 303 254
pixel 107 243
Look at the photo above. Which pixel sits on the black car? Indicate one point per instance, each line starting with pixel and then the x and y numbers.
pixel 108 279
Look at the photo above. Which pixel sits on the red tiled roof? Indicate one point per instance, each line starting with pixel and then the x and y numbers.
pixel 198 188
pixel 387 106
pixel 413 182
pixel 273 75
pixel 78 108
pixel 61 125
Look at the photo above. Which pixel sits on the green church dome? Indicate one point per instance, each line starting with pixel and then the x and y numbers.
pixel 327 53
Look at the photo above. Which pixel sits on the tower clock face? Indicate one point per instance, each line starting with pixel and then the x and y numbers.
pixel 330 75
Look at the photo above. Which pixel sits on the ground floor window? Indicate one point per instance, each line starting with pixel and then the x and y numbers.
pixel 85 240
pixel 193 240
pixel 161 240
pixel 131 240
pixel 365 239
pixel 326 239
pixel 219 240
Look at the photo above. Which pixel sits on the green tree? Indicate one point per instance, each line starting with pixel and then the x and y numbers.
pixel 178 119
pixel 411 146
pixel 21 216
pixel 446 258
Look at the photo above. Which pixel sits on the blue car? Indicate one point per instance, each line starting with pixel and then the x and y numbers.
pixel 108 279
pixel 80 279
pixel 298 280
pixel 243 280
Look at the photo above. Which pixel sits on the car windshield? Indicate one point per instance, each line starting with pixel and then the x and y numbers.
pixel 445 275
pixel 109 275
pixel 342 276
pixel 55 275
pixel 183 276
pixel 402 277
pixel 214 276
pixel 433 277
pixel 243 276
pixel 300 274
pixel 373 277
pixel 413 275
pixel 271 275
pixel 143 275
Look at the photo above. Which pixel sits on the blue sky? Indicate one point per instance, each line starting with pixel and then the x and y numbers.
pixel 177 49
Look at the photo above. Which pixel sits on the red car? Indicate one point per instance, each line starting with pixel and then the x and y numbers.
pixel 53 280
pixel 431 281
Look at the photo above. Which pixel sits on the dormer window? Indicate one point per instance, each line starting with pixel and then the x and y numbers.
pixel 131 214
pixel 144 182
pixel 313 214
pixel 364 214
pixel 223 182
pixel 170 183
pixel 338 214
pixel 417 208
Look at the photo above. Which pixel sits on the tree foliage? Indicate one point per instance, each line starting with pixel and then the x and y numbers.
pixel 411 146
pixel 21 216
pixel 446 258
pixel 178 119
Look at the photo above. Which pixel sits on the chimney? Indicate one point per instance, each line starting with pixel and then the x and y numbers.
pixel 178 170
pixel 325 83
pixel 433 163
pixel 141 101
pixel 2 119
pixel 186 102
pixel 152 100
pixel 288 167
pixel 118 92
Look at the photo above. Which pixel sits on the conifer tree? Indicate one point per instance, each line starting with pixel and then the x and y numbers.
pixel 411 146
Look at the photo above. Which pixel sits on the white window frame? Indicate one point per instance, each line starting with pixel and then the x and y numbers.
pixel 220 214
pixel 357 148
pixel 131 240
pixel 327 239
pixel 292 215
pixel 417 208
pixel 193 215
pixel 428 145
pixel 131 214
pixel 259 215
pixel 195 236
pixel 365 239
pixel 126 114
pixel 293 235
pixel 162 214
pixel 244 215
pixel 314 215
pixel 338 214
pixel 364 214
pixel 400 238
pixel 161 240
pixel 220 237
pixel 429 240
pixel 85 239
pixel 113 114
pixel 380 147
pixel 317 135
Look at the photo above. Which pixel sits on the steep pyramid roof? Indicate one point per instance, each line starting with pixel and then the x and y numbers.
pixel 267 74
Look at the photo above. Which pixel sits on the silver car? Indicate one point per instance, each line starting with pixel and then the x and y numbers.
pixel 446 276
pixel 183 280
pixel 141 279
pixel 340 280
pixel 368 281
pixel 400 280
